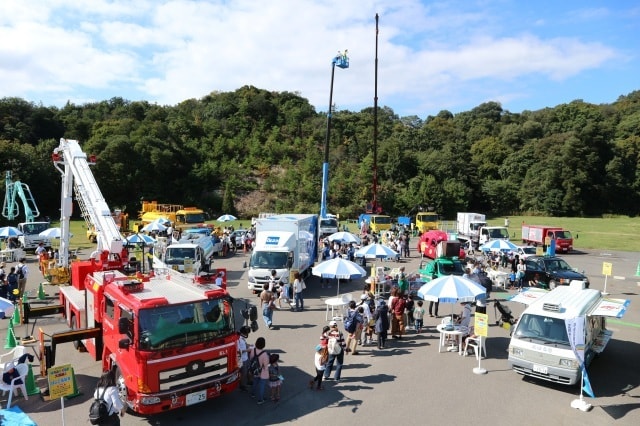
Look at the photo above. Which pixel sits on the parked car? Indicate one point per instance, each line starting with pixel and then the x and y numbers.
pixel 551 272
pixel 525 251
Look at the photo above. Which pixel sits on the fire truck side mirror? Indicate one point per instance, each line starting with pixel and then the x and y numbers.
pixel 124 343
pixel 123 325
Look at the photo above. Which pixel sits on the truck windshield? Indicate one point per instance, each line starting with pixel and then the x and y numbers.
pixel 453 268
pixel 546 329
pixel 34 228
pixel 424 217
pixel 381 220
pixel 180 325
pixel 178 254
pixel 564 235
pixel 268 260
pixel 329 223
pixel 499 233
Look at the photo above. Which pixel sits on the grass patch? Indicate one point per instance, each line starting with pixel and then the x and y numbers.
pixel 607 233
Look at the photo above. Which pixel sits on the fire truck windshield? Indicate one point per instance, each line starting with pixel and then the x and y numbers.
pixel 181 325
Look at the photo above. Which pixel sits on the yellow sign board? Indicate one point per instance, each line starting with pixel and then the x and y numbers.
pixel 607 268
pixel 60 381
pixel 481 325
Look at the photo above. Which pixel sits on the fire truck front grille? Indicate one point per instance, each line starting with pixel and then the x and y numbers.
pixel 193 373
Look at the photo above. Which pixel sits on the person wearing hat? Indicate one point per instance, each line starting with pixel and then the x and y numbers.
pixel 320 361
pixel 335 349
pixel 244 348
pixel 367 326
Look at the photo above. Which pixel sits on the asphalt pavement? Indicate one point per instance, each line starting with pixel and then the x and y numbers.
pixel 407 383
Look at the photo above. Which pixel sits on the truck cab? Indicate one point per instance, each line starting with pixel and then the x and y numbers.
pixel 440 267
pixel 273 251
pixel 30 238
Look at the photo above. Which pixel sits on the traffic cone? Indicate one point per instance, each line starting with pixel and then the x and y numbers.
pixel 32 389
pixel 41 294
pixel 16 315
pixel 638 270
pixel 11 337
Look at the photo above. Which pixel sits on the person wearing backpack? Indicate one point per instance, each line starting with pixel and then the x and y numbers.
pixel 353 326
pixel 260 369
pixel 107 392
pixel 12 283
pixel 22 272
pixel 335 347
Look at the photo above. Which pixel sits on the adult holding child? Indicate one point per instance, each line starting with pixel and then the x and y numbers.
pixel 262 377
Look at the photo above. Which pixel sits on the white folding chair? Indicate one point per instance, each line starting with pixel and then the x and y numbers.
pixel 23 371
pixel 478 344
pixel 15 353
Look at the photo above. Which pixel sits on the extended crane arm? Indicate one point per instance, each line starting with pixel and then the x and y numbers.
pixel 14 191
pixel 73 165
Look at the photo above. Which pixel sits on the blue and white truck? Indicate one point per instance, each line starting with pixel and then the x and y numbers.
pixel 286 243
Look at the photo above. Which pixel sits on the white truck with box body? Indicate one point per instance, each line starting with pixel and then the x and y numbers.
pixel 286 243
pixel 540 345
pixel 473 230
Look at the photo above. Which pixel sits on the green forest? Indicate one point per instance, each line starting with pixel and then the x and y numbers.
pixel 253 150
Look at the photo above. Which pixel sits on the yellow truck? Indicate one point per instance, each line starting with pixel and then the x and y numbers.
pixel 426 221
pixel 180 217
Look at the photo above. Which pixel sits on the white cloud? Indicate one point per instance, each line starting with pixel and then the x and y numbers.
pixel 169 51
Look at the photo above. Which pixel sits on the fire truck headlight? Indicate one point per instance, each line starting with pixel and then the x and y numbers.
pixel 149 400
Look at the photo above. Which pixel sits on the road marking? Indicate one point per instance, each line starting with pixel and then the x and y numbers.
pixel 620 322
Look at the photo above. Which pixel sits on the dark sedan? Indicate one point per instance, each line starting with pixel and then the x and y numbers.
pixel 551 271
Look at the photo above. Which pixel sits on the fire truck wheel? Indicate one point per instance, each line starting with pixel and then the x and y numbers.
pixel 77 344
pixel 122 388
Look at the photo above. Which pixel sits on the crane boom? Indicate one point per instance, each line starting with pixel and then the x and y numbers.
pixel 72 163
pixel 13 192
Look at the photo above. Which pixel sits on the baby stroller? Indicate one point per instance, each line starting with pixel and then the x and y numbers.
pixel 506 317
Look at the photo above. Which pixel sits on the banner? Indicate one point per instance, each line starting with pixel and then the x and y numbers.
pixel 575 332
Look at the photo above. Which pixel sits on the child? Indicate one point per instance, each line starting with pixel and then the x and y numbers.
pixel 512 280
pixel 320 362
pixel 284 296
pixel 275 380
pixel 418 316
pixel 408 306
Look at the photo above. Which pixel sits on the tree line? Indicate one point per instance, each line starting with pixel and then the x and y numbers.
pixel 253 150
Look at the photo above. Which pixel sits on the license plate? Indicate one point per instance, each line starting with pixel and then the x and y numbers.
pixel 196 397
pixel 542 369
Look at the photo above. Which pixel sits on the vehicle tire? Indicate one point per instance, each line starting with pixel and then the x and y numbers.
pixel 77 344
pixel 552 284
pixel 122 388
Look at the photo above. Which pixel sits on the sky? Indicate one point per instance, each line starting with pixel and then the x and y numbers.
pixel 432 55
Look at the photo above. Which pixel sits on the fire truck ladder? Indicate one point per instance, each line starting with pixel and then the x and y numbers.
pixel 84 212
pixel 77 174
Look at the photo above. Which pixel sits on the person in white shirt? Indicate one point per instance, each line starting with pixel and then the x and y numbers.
pixel 107 390
pixel 244 348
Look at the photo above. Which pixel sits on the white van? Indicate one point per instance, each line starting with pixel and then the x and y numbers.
pixel 539 344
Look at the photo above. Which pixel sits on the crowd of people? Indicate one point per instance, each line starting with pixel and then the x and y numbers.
pixel 366 322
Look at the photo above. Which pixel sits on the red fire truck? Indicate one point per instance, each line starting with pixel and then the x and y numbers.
pixel 170 338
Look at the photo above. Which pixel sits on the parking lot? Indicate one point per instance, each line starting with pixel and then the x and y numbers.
pixel 409 382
